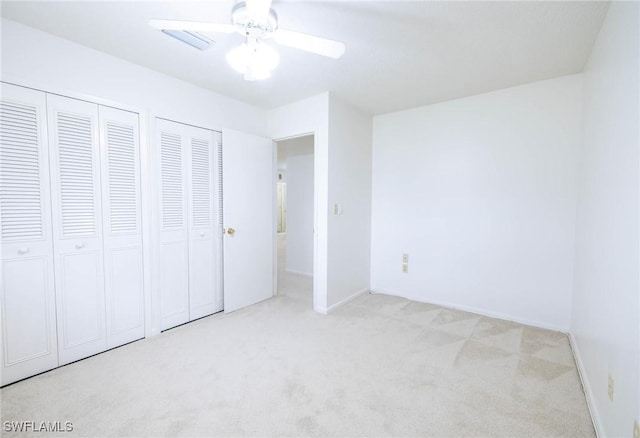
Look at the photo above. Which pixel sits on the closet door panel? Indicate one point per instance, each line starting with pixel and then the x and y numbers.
pixel 25 309
pixel 174 279
pixel 202 260
pixel 126 312
pixel 27 295
pixel 77 218
pixel 173 245
pixel 119 134
pixel 82 301
pixel 201 267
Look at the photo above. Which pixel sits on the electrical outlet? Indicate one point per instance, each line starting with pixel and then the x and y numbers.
pixel 636 429
pixel 611 387
pixel 405 258
pixel 405 268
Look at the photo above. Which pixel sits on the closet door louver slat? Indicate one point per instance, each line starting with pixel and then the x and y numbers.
pixel 123 199
pixel 172 180
pixel 75 154
pixel 20 168
pixel 202 174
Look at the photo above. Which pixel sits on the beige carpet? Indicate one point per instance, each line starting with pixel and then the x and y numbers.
pixel 379 366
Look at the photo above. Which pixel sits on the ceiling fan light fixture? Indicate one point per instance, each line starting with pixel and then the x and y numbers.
pixel 254 59
pixel 254 18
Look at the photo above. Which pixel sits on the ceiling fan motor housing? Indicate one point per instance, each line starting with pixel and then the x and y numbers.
pixel 253 26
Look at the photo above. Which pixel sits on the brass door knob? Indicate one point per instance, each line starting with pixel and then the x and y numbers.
pixel 231 231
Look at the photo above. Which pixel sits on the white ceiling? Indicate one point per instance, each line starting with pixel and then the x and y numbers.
pixel 400 54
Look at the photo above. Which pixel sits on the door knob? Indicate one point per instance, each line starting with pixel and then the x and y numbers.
pixel 231 231
pixel 202 234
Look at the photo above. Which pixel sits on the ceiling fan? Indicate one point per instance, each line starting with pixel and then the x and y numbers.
pixel 257 22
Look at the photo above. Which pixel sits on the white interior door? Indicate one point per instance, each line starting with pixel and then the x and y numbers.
pixel 248 216
pixel 28 325
pixel 123 226
pixel 77 220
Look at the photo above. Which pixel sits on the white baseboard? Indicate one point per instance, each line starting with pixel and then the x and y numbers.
pixel 346 300
pixel 304 274
pixel 471 309
pixel 588 392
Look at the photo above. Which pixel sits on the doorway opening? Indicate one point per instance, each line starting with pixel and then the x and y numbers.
pixel 295 217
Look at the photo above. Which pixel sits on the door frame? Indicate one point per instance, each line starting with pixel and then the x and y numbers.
pixel 319 240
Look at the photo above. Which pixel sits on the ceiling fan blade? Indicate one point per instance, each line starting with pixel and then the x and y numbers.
pixel 309 43
pixel 258 8
pixel 193 26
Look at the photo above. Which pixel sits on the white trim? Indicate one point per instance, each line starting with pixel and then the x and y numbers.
pixel 304 274
pixel 274 204
pixel 177 120
pixel 348 299
pixel 65 92
pixel 146 193
pixel 588 392
pixel 472 309
pixel 320 215
pixel 153 165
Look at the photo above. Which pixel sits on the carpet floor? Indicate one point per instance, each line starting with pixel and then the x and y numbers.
pixel 378 366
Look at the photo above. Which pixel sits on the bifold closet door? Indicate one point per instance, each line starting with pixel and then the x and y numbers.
pixel 77 220
pixel 174 240
pixel 204 260
pixel 120 163
pixel 189 247
pixel 27 293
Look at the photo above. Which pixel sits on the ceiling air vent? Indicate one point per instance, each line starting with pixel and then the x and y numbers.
pixel 194 39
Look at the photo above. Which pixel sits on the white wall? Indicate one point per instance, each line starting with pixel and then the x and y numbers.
pixel 342 174
pixel 350 185
pixel 311 116
pixel 43 59
pixel 480 192
pixel 605 322
pixel 299 205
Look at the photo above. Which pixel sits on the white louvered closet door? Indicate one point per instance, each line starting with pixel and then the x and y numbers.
pixel 28 329
pixel 204 275
pixel 174 240
pixel 77 220
pixel 120 163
